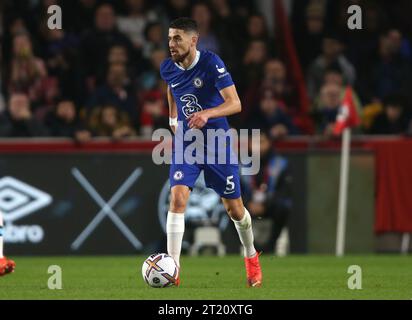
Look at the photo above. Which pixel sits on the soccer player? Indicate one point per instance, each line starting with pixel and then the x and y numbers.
pixel 201 94
pixel 6 265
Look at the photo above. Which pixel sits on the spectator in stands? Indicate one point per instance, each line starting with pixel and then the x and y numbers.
pixel 61 60
pixel 253 62
pixel 327 107
pixel 256 53
pixel 117 92
pixel 95 43
pixel 400 44
pixel 272 117
pixel 309 40
pixel 134 23
pixel 154 115
pixel 109 121
pixel 155 39
pixel 362 45
pixel 15 27
pixel 64 121
pixel 150 79
pixel 2 102
pixel 18 26
pixel 28 72
pixel 232 29
pixel 268 194
pixel 38 25
pixel 275 79
pixel 332 54
pixel 257 30
pixel 390 71
pixel 333 76
pixel 208 39
pixel 118 54
pixel 394 119
pixel 177 8
pixel 82 15
pixel 381 53
pixel 18 120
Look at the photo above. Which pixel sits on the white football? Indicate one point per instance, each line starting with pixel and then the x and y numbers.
pixel 160 270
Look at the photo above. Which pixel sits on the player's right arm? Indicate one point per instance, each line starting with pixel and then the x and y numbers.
pixel 172 110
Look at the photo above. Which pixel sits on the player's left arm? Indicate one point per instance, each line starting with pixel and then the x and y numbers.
pixel 230 106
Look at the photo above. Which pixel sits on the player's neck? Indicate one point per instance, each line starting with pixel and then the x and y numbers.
pixel 187 62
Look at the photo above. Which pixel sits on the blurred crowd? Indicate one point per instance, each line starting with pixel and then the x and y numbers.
pixel 99 75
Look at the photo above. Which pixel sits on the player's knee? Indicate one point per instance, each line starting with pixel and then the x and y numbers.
pixel 178 202
pixel 236 213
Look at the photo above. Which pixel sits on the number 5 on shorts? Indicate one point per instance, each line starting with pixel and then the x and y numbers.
pixel 230 185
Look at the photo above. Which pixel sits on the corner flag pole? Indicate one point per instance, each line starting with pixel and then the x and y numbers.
pixel 343 193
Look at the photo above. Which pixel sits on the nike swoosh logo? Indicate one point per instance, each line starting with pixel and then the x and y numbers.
pixel 229 192
pixel 221 70
pixel 174 84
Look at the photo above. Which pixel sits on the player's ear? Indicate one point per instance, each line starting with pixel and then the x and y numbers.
pixel 195 38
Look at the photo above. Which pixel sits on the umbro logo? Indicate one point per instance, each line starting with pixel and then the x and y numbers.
pixel 18 199
pixel 221 70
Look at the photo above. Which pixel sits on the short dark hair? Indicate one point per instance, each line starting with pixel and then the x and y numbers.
pixel 333 34
pixel 63 99
pixel 185 24
pixel 149 26
pixel 335 68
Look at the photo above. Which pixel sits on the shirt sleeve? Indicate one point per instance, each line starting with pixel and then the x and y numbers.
pixel 221 76
pixel 162 67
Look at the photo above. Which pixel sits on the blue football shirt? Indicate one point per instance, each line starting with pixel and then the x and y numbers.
pixel 194 89
pixel 197 87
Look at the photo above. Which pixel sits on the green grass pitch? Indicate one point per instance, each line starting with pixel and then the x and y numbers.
pixel 292 277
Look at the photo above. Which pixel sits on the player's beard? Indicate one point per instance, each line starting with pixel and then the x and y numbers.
pixel 180 57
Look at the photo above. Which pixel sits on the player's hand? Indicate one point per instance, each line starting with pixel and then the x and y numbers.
pixel 198 120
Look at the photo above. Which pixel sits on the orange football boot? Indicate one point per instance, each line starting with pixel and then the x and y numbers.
pixel 177 281
pixel 253 271
pixel 6 266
